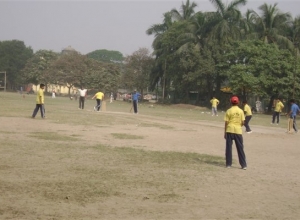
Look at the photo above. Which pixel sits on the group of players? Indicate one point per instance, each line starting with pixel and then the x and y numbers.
pixel 235 118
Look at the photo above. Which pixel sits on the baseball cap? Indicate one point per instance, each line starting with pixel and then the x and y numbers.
pixel 234 100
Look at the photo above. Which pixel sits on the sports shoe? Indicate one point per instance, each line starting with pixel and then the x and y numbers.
pixel 249 132
pixel 244 168
pixel 94 108
pixel 228 167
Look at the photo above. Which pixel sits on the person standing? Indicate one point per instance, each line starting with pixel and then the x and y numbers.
pixel 99 97
pixel 214 103
pixel 53 94
pixel 39 102
pixel 135 99
pixel 234 120
pixel 248 116
pixel 82 94
pixel 293 112
pixel 278 108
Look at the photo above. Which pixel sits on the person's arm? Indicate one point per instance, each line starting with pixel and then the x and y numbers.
pixel 226 123
pixel 94 96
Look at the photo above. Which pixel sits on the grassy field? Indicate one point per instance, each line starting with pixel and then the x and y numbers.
pixel 59 167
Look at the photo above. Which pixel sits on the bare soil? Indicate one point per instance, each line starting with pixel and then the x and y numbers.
pixel 268 189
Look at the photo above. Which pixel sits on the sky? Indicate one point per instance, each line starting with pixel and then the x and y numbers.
pixel 86 26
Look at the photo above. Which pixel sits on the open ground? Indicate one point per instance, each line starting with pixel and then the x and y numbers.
pixel 167 162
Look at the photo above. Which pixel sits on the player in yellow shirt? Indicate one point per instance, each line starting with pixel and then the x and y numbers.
pixel 234 120
pixel 214 103
pixel 248 116
pixel 278 108
pixel 99 97
pixel 39 102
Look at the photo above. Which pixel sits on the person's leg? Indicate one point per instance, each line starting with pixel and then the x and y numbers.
pixel 98 104
pixel 82 105
pixel 277 116
pixel 238 139
pixel 135 106
pixel 216 111
pixel 35 111
pixel 228 151
pixel 246 124
pixel 42 108
pixel 212 111
pixel 80 101
pixel 273 117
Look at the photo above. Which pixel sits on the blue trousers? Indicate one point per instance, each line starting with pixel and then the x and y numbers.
pixel 37 108
pixel 238 139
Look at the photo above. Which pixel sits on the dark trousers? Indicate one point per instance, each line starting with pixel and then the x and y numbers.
pixel 98 106
pixel 275 115
pixel 238 139
pixel 135 108
pixel 37 108
pixel 246 124
pixel 81 102
pixel 294 123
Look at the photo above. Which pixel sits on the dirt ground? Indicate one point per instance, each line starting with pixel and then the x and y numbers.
pixel 268 189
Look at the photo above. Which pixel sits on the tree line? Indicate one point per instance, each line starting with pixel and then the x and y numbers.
pixel 252 54
pixel 203 52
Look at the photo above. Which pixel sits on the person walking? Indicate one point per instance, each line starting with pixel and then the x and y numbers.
pixel 99 97
pixel 234 120
pixel 39 102
pixel 293 112
pixel 135 99
pixel 278 108
pixel 82 95
pixel 248 116
pixel 214 103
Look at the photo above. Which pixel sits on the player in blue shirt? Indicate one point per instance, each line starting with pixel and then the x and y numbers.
pixel 293 112
pixel 135 98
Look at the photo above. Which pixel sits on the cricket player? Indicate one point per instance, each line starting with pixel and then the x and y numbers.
pixel 234 120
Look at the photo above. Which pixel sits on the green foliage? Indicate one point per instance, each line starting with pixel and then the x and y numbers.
pixel 260 69
pixel 13 57
pixel 137 70
pixel 38 68
pixel 106 56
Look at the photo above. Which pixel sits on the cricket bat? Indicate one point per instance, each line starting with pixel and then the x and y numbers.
pixel 290 125
pixel 104 106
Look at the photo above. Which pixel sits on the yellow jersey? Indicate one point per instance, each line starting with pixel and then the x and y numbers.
pixel 247 110
pixel 40 97
pixel 214 102
pixel 99 95
pixel 234 118
pixel 279 106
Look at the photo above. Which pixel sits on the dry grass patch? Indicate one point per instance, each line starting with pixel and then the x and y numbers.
pixel 53 136
pixel 126 136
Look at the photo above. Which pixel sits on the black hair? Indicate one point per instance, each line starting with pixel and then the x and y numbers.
pixel 292 100
pixel 42 85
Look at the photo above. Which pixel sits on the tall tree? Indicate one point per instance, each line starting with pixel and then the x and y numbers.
pixel 186 11
pixel 138 68
pixel 270 25
pixel 226 20
pixel 13 57
pixel 37 68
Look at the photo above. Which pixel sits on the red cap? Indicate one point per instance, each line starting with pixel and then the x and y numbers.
pixel 234 100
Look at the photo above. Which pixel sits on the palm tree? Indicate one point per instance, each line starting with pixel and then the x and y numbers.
pixel 186 12
pixel 160 67
pixel 270 26
pixel 226 20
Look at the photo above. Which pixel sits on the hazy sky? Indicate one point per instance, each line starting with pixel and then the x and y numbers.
pixel 91 25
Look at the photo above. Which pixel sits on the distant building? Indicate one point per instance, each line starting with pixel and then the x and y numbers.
pixel 68 50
